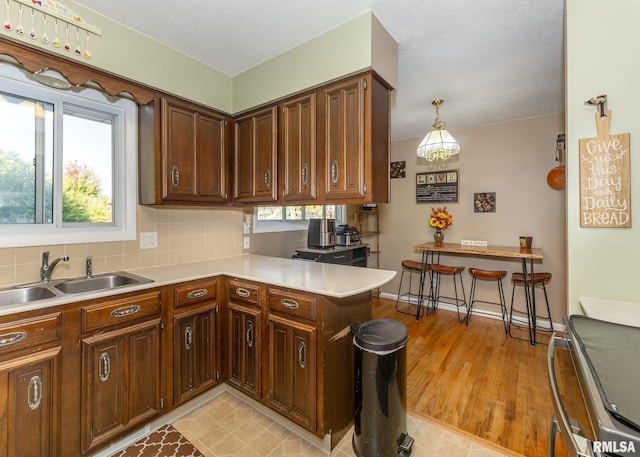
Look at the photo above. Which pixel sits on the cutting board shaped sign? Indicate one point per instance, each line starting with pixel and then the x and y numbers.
pixel 605 183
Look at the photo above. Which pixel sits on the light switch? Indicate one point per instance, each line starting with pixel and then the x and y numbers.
pixel 246 242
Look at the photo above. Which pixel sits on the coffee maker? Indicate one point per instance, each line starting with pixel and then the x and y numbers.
pixel 322 233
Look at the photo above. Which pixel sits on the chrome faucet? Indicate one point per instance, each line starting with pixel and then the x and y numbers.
pixel 89 269
pixel 46 269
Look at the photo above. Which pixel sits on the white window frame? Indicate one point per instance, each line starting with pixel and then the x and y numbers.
pixel 125 189
pixel 284 225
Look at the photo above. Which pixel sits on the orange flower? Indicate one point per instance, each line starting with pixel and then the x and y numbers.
pixel 440 219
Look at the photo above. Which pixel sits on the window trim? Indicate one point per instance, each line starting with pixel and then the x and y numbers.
pixel 123 228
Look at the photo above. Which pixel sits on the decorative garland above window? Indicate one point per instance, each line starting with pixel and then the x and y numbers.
pixel 63 31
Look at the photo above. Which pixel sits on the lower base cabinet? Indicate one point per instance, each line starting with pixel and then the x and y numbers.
pixel 195 367
pixel 245 343
pixel 29 405
pixel 121 374
pixel 292 370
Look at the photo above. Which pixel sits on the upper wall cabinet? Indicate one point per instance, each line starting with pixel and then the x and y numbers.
pixel 184 153
pixel 353 141
pixel 297 148
pixel 255 171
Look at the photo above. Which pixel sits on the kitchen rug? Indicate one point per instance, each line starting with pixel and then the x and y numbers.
pixel 164 442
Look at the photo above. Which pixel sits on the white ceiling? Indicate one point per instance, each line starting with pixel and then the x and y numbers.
pixel 491 60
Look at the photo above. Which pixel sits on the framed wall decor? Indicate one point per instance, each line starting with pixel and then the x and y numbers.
pixel 437 187
pixel 484 202
pixel 398 169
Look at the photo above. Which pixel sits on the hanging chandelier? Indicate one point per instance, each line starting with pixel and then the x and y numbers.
pixel 438 143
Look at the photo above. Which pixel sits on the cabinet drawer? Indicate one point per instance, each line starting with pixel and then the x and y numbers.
pixel 31 332
pixel 118 311
pixel 194 292
pixel 240 291
pixel 293 304
pixel 342 257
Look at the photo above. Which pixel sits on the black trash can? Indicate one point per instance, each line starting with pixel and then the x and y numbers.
pixel 380 415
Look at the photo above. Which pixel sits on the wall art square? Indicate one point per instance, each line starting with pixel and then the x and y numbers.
pixel 484 202
pixel 398 169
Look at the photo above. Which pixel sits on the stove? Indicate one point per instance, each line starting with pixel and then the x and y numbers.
pixel 606 365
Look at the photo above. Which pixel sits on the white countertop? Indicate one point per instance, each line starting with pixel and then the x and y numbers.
pixel 337 281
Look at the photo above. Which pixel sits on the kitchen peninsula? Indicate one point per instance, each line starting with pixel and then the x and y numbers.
pixel 275 329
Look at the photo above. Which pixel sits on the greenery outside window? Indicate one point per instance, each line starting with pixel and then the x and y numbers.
pixel 67 164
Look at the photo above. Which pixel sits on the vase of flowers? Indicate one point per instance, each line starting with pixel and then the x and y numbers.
pixel 440 220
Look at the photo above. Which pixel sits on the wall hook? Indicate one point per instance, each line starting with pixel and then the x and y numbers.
pixel 601 102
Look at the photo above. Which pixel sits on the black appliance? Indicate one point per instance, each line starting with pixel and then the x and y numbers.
pixel 322 233
pixel 346 235
pixel 606 362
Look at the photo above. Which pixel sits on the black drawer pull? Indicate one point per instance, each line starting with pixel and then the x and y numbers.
pixel 198 293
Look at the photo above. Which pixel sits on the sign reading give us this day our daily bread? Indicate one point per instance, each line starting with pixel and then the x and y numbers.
pixel 605 184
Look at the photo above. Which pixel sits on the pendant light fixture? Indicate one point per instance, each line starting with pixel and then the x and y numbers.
pixel 438 143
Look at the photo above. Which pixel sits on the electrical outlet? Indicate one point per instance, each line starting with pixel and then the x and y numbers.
pixel 246 242
pixel 148 240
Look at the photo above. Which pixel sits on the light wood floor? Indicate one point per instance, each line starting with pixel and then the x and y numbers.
pixel 478 379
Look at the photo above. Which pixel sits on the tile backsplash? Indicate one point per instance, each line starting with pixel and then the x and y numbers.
pixel 184 235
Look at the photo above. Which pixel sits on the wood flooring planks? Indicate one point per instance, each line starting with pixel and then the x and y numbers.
pixel 477 379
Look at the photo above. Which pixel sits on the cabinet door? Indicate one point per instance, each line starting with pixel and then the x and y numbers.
pixel 244 349
pixel 256 175
pixel 211 161
pixel 194 352
pixel 121 375
pixel 178 151
pixel 298 148
pixel 292 370
pixel 343 141
pixel 29 405
pixel 193 153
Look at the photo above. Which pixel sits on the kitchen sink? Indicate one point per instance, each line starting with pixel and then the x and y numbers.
pixel 18 296
pixel 99 282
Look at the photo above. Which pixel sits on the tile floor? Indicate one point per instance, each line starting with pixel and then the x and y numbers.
pixel 227 426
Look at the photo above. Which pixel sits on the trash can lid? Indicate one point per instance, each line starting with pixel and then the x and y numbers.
pixel 380 335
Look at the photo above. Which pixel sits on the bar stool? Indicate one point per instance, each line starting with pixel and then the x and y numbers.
pixel 488 275
pixel 539 279
pixel 455 272
pixel 412 267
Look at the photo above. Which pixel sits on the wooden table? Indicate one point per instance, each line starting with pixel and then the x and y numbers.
pixel 505 252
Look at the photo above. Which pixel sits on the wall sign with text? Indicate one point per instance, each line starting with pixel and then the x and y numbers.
pixel 437 186
pixel 605 183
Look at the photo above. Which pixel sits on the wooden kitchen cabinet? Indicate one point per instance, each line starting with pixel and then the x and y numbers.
pixel 30 385
pixel 297 148
pixel 245 321
pixel 354 140
pixel 184 153
pixel 196 355
pixel 120 366
pixel 292 376
pixel 255 164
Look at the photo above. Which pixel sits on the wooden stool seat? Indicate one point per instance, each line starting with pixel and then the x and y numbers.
pixel 489 275
pixel 538 278
pixel 446 270
pixel 412 265
pixel 414 298
pixel 460 302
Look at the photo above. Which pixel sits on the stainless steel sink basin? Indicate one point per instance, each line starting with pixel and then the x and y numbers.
pixel 99 282
pixel 22 295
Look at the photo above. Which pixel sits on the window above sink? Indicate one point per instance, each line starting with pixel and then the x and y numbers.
pixel 67 163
